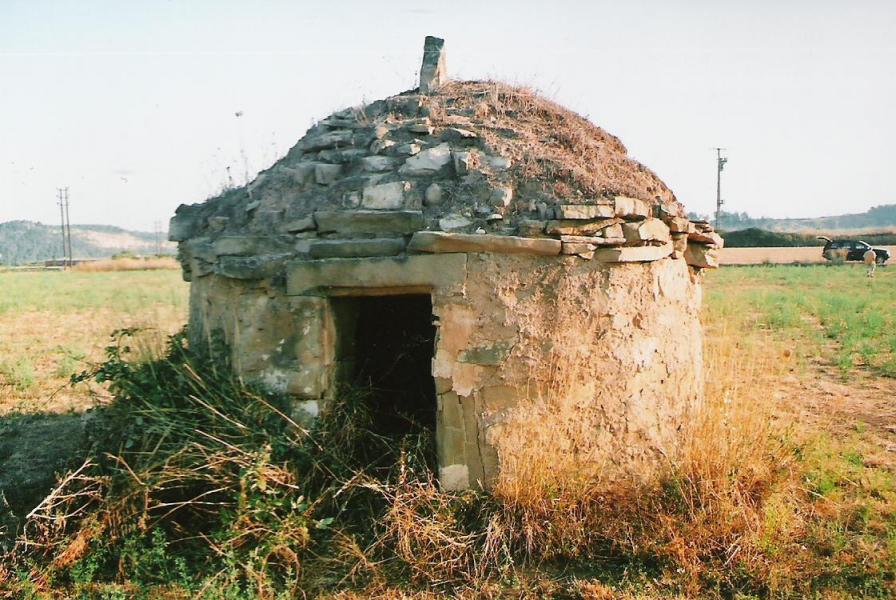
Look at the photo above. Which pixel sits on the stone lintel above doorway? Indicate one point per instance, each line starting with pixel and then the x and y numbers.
pixel 377 276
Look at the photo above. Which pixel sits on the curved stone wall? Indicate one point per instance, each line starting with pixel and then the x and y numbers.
pixel 590 366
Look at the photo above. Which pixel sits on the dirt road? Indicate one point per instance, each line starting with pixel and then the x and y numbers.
pixel 758 256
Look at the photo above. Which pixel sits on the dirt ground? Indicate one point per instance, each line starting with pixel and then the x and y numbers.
pixel 778 256
pixel 863 404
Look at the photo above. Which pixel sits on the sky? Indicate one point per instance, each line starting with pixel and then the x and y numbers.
pixel 140 106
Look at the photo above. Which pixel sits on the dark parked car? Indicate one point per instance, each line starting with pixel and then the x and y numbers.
pixel 851 250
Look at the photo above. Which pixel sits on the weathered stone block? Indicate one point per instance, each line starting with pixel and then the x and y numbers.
pixel 375 164
pixel 678 224
pixel 420 126
pixel 454 478
pixel 235 245
pixel 356 248
pixel 450 413
pixel 701 256
pixel 252 267
pixel 380 145
pixel 349 222
pixel 307 382
pixel 631 208
pixel 357 275
pixel 453 222
pixel 325 174
pixel 680 244
pixel 459 134
pixel 433 70
pixel 297 225
pixel 450 445
pixel 633 253
pixel 707 237
pixel 531 227
pixel 490 354
pixel 648 230
pixel 576 227
pixel 601 209
pixel 613 232
pixel 473 454
pixel 428 161
pixel 200 248
pixel 501 196
pixel 385 196
pixel 199 268
pixel 436 242
pixel 500 397
pixel 330 139
pixel 244 245
pixel 463 162
pixel 408 149
pixel 184 224
pixel 217 224
pixel 303 172
pixel 579 248
pixel 433 195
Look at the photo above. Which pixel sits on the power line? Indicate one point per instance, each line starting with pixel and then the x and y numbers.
pixel 65 225
pixel 720 164
pixel 157 227
pixel 68 229
pixel 59 201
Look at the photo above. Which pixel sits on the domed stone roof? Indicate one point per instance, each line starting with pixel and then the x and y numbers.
pixel 474 157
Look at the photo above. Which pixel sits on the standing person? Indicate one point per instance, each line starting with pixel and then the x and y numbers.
pixel 870 258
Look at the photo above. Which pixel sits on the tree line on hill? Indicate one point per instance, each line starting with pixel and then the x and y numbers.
pixel 877 226
pixel 24 242
pixel 761 238
pixel 877 217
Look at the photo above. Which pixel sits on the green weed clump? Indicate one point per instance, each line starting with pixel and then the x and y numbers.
pixel 198 485
pixel 18 375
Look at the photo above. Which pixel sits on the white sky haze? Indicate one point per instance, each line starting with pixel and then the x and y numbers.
pixel 133 104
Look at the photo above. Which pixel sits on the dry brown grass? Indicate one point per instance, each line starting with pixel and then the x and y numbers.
pixel 551 146
pixel 57 324
pixel 128 264
pixel 753 505
pixel 704 516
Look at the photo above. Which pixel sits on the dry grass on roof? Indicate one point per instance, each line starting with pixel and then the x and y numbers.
pixel 549 143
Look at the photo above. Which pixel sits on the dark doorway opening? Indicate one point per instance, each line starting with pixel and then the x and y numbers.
pixel 384 351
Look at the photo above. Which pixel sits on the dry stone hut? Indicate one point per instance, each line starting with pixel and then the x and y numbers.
pixel 496 265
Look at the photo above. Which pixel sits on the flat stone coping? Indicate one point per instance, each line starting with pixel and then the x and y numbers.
pixel 376 276
pixel 441 242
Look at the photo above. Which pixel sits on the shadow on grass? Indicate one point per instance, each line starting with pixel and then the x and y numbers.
pixel 34 449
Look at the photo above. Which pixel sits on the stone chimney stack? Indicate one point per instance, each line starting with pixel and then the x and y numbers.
pixel 433 72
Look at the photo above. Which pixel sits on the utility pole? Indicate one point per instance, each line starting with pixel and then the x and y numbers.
pixel 157 228
pixel 59 196
pixel 720 162
pixel 68 228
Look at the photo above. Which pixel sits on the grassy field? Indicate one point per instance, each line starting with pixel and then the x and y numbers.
pixel 831 313
pixel 787 489
pixel 54 324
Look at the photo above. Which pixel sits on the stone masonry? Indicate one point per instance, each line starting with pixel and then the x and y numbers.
pixel 593 273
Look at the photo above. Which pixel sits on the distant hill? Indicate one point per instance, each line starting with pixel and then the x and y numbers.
pixel 877 218
pixel 23 242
